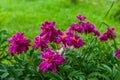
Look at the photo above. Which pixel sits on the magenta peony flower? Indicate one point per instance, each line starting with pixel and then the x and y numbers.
pixel 117 53
pixel 51 59
pixel 66 39
pixel 39 42
pixel 18 43
pixel 49 32
pixel 89 27
pixel 104 37
pixel 76 27
pixel 96 33
pixel 47 27
pixel 109 34
pixel 81 17
pixel 77 41
pixel 69 40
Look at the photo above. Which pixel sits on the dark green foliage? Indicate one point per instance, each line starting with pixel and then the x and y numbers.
pixel 3 44
pixel 95 61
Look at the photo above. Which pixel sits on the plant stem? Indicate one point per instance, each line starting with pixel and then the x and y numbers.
pixel 115 44
pixel 109 9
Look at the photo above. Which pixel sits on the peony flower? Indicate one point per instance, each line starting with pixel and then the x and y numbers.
pixel 117 53
pixel 65 38
pixel 109 34
pixel 18 44
pixel 49 32
pixel 51 59
pixel 70 40
pixel 103 37
pixel 39 42
pixel 77 41
pixel 96 33
pixel 47 27
pixel 76 27
pixel 89 27
pixel 81 17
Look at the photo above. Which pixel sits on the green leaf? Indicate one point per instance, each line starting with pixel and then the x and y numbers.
pixel 117 76
pixel 4 39
pixel 106 68
pixel 76 74
pixel 93 79
pixel 96 74
pixel 56 76
pixel 3 32
pixel 2 71
pixel 31 52
pixel 4 75
pixel 66 67
pixel 104 76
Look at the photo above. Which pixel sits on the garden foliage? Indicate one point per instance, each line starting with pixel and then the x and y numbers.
pixel 80 53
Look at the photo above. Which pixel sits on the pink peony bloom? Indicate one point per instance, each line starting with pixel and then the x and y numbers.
pixel 109 34
pixel 51 59
pixel 49 32
pixel 81 17
pixel 117 53
pixel 18 43
pixel 39 42
pixel 76 27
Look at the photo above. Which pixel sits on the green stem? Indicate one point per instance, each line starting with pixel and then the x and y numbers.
pixel 109 9
pixel 115 44
pixel 106 24
pixel 32 63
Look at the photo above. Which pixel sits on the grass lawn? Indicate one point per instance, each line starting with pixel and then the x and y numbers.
pixel 28 15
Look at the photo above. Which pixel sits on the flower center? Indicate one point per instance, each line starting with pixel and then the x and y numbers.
pixel 64 35
pixel 50 60
pixel 76 27
pixel 76 39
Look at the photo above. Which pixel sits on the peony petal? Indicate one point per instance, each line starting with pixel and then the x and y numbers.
pixel 53 68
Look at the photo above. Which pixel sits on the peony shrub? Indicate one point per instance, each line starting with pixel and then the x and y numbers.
pixel 68 55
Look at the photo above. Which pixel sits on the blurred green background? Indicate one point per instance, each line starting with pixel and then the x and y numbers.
pixel 28 15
